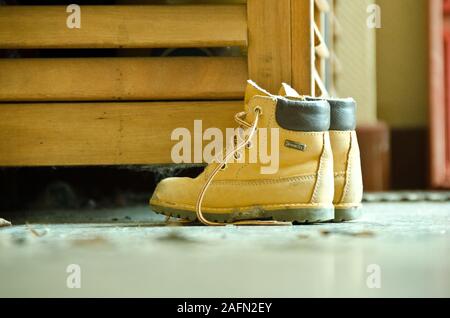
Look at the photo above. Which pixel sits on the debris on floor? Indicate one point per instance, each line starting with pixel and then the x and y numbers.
pixel 35 232
pixel 347 233
pixel 175 237
pixel 96 240
pixel 4 222
pixel 172 221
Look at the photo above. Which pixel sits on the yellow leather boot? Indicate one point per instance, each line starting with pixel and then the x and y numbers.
pixel 348 185
pixel 299 188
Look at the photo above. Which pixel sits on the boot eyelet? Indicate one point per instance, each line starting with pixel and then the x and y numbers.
pixel 258 109
pixel 237 156
pixel 223 167
pixel 249 144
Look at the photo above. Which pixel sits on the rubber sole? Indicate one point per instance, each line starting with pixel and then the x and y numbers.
pixel 301 215
pixel 347 214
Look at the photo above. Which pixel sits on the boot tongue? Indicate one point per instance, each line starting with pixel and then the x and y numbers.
pixel 253 90
pixel 288 91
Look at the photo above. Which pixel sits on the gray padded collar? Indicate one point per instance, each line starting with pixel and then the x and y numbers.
pixel 303 115
pixel 342 112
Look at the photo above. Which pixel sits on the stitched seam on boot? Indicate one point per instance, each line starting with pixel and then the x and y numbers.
pixel 348 171
pixel 348 205
pixel 241 208
pixel 319 173
pixel 255 182
pixel 306 133
pixel 340 132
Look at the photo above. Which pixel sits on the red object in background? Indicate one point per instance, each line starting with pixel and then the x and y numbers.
pixel 446 6
pixel 374 143
pixel 447 91
pixel 439 77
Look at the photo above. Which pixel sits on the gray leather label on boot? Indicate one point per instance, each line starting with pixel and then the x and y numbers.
pixel 294 145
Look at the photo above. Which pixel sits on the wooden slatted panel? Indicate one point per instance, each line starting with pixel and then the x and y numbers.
pixel 303 46
pixel 124 26
pixel 269 52
pixel 92 79
pixel 101 133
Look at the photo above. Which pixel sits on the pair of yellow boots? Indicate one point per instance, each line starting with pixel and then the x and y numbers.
pixel 318 176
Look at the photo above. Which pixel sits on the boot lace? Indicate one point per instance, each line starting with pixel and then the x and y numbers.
pixel 222 165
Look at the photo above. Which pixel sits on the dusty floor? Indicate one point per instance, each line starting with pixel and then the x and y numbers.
pixel 405 247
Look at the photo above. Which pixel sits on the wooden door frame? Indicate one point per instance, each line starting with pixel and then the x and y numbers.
pixel 281 48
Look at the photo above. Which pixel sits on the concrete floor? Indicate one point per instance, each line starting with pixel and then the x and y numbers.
pixel 132 253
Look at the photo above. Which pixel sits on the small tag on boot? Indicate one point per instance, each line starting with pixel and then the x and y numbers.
pixel 294 145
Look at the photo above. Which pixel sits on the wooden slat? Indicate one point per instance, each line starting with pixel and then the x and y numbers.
pixel 124 26
pixel 269 51
pixel 303 46
pixel 101 133
pixel 92 79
